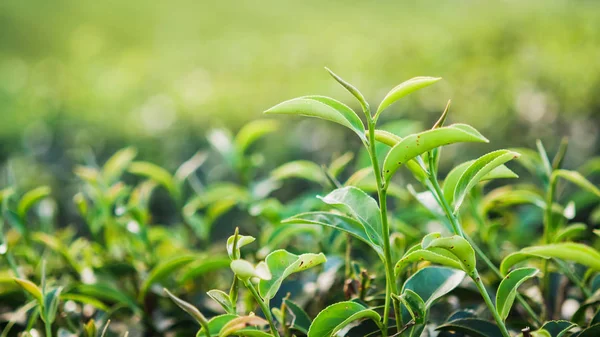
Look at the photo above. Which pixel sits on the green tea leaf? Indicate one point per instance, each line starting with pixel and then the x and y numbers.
pixel 337 221
pixel 187 307
pixel 558 328
pixel 324 108
pixel 426 255
pixel 507 291
pixel 90 328
pixel 336 316
pixel 432 283
pixel 460 248
pixel 32 289
pixel 570 232
pixel 455 174
pixel 338 164
pixel 351 89
pixel 235 325
pixel 569 251
pixel 592 331
pixel 157 174
pixel 473 327
pixel 577 179
pixel 117 164
pixel 216 323
pixel 51 300
pixel 190 166
pixel 360 206
pixel 253 131
pixel 85 300
pixel 392 140
pixel 303 169
pixel 106 292
pixel 223 299
pixel 477 170
pixel 242 240
pixel 414 304
pixel 282 264
pixel 30 198
pixel 204 265
pixel 403 89
pixel 417 144
pixel 300 321
pixel 162 270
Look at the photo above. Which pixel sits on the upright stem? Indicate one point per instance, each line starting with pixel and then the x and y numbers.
pixel 459 231
pixel 490 305
pixel 48 327
pixel 391 287
pixel 264 307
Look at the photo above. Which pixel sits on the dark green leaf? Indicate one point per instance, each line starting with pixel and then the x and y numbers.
pixel 473 327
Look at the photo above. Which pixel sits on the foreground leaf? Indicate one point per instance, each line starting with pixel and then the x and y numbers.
pixel 281 264
pixel 235 325
pixel 324 108
pixel 477 171
pixel 454 175
pixel 403 89
pixel 558 328
pixel 336 316
pixel 337 221
pixel 31 288
pixel 569 251
pixel 300 321
pixel 432 283
pixel 361 206
pixel 187 307
pixel 507 291
pixel 417 144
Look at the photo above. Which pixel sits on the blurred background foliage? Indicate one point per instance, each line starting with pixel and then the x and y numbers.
pixel 79 77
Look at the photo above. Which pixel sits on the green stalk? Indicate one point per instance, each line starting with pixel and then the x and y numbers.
pixel 391 287
pixel 490 305
pixel 459 231
pixel 48 327
pixel 264 307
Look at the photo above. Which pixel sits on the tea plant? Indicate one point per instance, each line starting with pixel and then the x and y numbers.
pixel 367 219
pixel 411 256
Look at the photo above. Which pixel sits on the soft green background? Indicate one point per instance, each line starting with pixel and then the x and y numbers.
pixel 104 74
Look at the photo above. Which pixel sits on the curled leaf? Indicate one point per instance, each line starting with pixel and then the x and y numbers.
pixel 507 291
pixel 281 264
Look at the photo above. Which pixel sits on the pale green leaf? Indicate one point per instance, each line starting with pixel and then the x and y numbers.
pixel 507 291
pixel 403 89
pixel 324 108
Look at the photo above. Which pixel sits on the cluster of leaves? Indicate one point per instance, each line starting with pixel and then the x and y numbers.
pixel 391 265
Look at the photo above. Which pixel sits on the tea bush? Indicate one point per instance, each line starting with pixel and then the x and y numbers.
pixel 368 249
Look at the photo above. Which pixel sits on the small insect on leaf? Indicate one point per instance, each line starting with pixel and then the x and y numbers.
pixel 324 108
pixel 507 291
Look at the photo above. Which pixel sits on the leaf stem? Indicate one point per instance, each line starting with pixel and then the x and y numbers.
pixel 459 231
pixel 490 305
pixel 48 327
pixel 391 287
pixel 264 307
